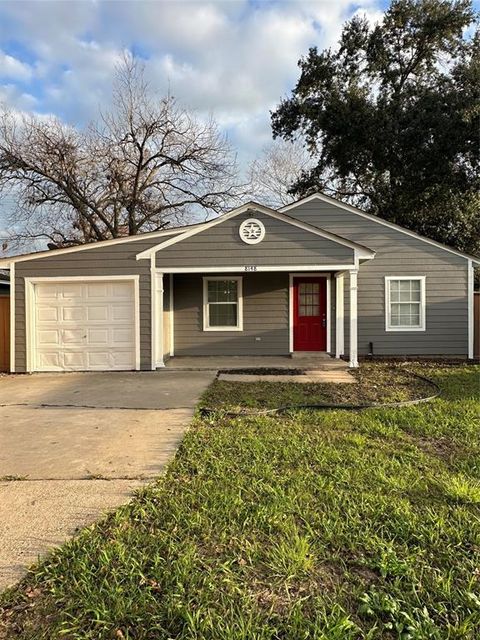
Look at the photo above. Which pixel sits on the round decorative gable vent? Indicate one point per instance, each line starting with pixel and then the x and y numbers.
pixel 252 231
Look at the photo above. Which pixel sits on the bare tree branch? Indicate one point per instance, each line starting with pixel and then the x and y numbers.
pixel 279 166
pixel 141 166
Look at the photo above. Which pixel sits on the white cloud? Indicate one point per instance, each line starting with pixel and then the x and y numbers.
pixel 233 59
pixel 12 68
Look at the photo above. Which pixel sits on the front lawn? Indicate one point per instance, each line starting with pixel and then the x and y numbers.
pixel 375 383
pixel 327 525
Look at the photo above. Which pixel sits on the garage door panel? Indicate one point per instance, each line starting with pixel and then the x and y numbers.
pixel 98 337
pixel 120 359
pixel 49 361
pixel 84 326
pixel 71 291
pixel 48 337
pixel 97 313
pixel 120 290
pixel 122 313
pixel 47 293
pixel 73 336
pixel 122 336
pixel 47 314
pixel 73 360
pixel 73 314
pixel 98 290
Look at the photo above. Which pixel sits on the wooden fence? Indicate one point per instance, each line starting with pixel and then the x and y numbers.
pixel 4 333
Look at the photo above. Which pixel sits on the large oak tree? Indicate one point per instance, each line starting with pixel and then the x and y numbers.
pixel 392 119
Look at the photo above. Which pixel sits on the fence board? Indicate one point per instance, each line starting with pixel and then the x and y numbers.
pixel 4 333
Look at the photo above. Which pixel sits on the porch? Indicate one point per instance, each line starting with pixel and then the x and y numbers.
pixel 304 362
pixel 260 331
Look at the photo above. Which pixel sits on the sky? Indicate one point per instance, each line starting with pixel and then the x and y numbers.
pixel 234 60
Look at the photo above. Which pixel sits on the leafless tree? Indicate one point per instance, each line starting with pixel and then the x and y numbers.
pixel 277 168
pixel 141 166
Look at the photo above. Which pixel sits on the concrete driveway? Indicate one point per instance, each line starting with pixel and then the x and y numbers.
pixel 75 445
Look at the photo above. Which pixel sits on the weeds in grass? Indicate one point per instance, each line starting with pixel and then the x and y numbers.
pixel 332 526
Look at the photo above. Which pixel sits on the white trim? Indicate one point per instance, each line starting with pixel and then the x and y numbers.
pixel 206 325
pixel 363 252
pixel 471 319
pixel 153 315
pixel 171 318
pixel 291 277
pixel 252 268
pixel 4 262
pixel 369 216
pixel 353 362
pixel 136 295
pixel 105 278
pixel 30 310
pixel 422 326
pixel 328 314
pixel 157 322
pixel 12 318
pixel 290 312
pixel 340 315
pixel 30 333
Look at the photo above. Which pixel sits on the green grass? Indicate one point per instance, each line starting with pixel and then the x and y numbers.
pixel 316 525
pixel 375 383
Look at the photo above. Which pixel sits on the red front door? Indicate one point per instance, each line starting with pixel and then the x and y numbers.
pixel 309 314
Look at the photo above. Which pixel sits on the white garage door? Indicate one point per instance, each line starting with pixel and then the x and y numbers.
pixel 84 326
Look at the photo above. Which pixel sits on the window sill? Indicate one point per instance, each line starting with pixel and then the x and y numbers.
pixel 404 329
pixel 223 329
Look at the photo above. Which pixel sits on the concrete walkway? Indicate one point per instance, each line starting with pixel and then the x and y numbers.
pixel 75 445
pixel 310 377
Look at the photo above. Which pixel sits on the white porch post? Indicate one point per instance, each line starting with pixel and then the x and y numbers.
pixel 353 319
pixel 471 319
pixel 156 315
pixel 158 329
pixel 339 324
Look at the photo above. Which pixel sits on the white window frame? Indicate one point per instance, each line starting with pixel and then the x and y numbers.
pixel 388 325
pixel 206 318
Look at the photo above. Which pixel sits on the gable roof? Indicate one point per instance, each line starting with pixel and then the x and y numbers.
pixel 363 252
pixel 369 216
pixel 5 262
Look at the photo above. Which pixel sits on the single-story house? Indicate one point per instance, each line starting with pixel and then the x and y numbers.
pixel 315 276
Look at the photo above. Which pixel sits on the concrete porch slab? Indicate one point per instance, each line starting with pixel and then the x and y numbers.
pixel 318 362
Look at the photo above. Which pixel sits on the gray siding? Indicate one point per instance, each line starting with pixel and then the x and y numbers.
pixel 117 259
pixel 399 254
pixel 283 244
pixel 265 316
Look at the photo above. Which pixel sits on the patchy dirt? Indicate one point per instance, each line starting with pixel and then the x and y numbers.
pixel 441 447
pixel 375 384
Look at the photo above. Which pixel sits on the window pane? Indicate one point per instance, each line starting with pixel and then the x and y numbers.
pixel 405 315
pixel 405 303
pixel 222 315
pixel 222 291
pixel 415 285
pixel 415 293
